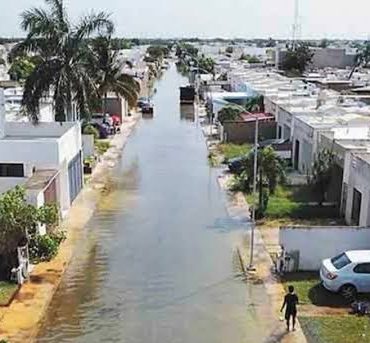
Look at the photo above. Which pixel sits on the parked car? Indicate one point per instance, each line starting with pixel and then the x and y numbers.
pixel 142 101
pixel 147 109
pixel 235 165
pixel 103 130
pixel 347 273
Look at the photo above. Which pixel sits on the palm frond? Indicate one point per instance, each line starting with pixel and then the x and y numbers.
pixel 37 85
pixel 37 21
pixel 126 92
pixel 94 22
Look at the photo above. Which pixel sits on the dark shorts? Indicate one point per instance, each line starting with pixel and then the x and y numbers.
pixel 290 313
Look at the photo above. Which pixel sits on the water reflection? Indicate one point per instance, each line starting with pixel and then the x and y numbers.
pixel 187 112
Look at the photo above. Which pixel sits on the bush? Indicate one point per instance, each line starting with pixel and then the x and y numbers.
pixel 91 130
pixel 102 146
pixel 44 248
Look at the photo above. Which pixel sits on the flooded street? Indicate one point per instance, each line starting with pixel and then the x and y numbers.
pixel 157 263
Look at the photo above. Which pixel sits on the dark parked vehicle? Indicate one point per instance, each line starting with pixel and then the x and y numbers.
pixel 235 165
pixel 103 130
pixel 143 101
pixel 147 109
pixel 187 95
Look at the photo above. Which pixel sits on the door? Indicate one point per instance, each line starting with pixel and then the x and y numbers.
pixel 75 176
pixel 50 193
pixel 362 277
pixel 356 207
pixel 280 133
pixel 296 154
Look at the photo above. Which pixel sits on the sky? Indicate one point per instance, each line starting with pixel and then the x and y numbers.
pixel 213 18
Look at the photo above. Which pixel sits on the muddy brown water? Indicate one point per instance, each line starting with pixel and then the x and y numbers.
pixel 157 260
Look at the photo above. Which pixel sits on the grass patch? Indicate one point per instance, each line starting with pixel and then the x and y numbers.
pixel 297 202
pixel 101 146
pixel 336 329
pixel 229 150
pixel 7 291
pixel 310 291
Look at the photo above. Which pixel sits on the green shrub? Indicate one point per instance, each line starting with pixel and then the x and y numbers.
pixel 44 248
pixel 91 130
pixel 102 146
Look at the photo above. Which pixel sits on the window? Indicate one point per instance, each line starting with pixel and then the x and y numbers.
pixel 340 261
pixel 11 170
pixel 363 268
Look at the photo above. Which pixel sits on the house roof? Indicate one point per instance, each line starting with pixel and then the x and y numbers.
pixel 252 116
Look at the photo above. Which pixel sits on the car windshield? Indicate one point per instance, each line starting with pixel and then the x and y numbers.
pixel 340 261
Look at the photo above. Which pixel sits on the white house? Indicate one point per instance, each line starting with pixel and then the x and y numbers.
pixel 45 158
pixel 308 127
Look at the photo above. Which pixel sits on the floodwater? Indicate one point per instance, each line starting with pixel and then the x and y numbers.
pixel 157 262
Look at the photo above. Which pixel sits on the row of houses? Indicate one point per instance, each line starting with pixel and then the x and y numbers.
pixel 311 118
pixel 47 158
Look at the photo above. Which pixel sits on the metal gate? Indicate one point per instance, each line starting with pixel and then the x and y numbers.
pixel 75 176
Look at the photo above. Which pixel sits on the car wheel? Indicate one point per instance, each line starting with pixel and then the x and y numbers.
pixel 349 292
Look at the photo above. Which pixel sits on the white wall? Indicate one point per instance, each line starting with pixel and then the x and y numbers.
pixel 317 243
pixel 88 145
pixel 70 143
pixel 359 178
pixel 7 183
pixel 2 113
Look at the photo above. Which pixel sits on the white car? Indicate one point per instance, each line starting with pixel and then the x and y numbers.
pixel 347 273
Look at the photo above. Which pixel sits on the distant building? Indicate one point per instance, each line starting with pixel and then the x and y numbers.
pixel 323 57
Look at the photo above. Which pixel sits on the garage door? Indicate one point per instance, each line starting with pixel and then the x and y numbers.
pixel 75 176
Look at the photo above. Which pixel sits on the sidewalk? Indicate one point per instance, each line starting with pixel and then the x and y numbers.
pixel 238 208
pixel 19 322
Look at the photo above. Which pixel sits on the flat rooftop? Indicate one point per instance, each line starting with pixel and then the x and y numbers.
pixel 318 121
pixel 41 179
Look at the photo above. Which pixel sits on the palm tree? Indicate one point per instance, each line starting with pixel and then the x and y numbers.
pixel 63 49
pixel 104 63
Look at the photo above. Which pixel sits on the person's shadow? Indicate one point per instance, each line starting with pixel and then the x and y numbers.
pixel 277 335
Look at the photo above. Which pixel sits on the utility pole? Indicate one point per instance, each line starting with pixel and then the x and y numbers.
pixel 296 28
pixel 251 265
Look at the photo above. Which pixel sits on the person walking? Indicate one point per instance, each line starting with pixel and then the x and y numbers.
pixel 290 303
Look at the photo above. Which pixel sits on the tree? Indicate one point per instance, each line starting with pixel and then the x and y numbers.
pixel 249 58
pixel 322 172
pixel 206 64
pixel 298 58
pixel 270 172
pixel 108 73
pixel 229 50
pixel 18 221
pixel 186 49
pixel 229 113
pixel 271 43
pixel 63 47
pixel 324 43
pixel 158 52
pixel 362 57
pixel 255 104
pixel 22 67
pixel 253 59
